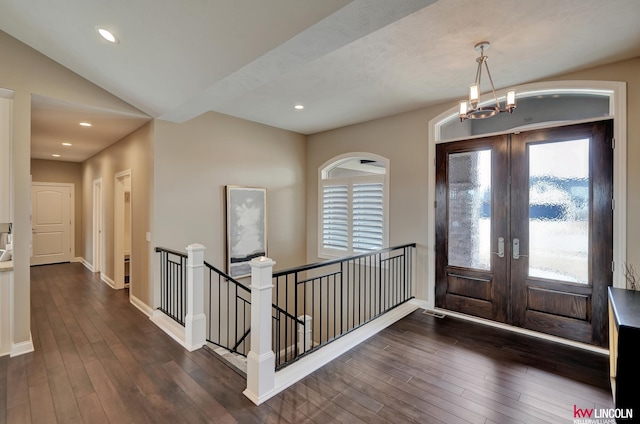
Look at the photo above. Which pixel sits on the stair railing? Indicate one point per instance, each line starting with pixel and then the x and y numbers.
pixel 173 284
pixel 334 297
pixel 311 306
pixel 229 311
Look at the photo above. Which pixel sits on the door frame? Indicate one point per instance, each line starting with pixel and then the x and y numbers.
pixel 118 229
pixel 617 111
pixel 72 214
pixel 98 226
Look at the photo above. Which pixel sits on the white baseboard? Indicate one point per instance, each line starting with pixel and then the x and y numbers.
pixel 169 326
pixel 84 262
pixel 310 363
pixel 22 347
pixel 108 281
pixel 143 307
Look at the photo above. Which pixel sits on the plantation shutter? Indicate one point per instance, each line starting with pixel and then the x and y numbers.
pixel 368 219
pixel 335 217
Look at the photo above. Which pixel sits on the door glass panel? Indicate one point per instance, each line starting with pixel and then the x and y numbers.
pixel 559 210
pixel 469 176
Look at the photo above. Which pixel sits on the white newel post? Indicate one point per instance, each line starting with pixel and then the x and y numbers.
pixel 304 334
pixel 261 361
pixel 195 321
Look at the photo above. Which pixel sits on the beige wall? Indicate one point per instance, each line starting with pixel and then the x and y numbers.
pixel 26 71
pixel 403 140
pixel 629 72
pixel 135 153
pixel 53 171
pixel 195 160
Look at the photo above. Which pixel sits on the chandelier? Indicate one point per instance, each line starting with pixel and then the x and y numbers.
pixel 471 109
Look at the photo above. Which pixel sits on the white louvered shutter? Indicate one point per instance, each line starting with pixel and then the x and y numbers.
pixel 335 217
pixel 368 217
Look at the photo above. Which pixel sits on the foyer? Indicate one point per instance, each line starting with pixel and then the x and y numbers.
pixel 98 359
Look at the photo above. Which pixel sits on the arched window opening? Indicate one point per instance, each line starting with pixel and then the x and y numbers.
pixel 352 204
pixel 535 107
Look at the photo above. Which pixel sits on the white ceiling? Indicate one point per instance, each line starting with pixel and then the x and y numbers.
pixel 346 61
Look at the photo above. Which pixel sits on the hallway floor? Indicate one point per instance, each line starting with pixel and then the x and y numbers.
pixel 100 360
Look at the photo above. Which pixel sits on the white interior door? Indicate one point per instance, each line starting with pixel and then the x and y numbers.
pixel 51 223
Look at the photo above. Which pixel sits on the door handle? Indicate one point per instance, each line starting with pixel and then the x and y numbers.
pixel 516 249
pixel 500 251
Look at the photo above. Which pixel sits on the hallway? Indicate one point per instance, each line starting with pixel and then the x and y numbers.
pixel 98 359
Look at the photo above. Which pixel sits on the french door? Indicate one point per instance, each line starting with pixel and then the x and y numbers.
pixel 524 229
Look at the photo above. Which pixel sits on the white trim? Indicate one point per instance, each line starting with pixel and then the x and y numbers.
pixel 143 307
pixel 314 361
pixel 98 225
pixel 6 162
pixel 84 262
pixel 172 329
pixel 350 181
pixel 118 216
pixel 21 348
pixel 618 112
pixel 168 325
pixel 5 93
pixel 6 308
pixel 108 281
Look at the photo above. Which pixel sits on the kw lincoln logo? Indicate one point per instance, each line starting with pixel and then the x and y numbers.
pixel 600 416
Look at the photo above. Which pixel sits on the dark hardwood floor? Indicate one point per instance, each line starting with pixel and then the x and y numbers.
pixel 99 360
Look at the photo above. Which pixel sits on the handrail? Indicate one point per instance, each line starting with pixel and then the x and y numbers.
pixel 339 296
pixel 227 276
pixel 287 314
pixel 173 252
pixel 311 307
pixel 339 260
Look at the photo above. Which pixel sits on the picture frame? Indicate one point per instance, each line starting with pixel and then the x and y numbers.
pixel 246 216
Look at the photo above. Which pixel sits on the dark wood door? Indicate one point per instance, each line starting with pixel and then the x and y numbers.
pixel 472 227
pixel 562 219
pixel 524 228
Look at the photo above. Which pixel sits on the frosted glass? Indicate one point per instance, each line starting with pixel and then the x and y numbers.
pixel 559 210
pixel 469 178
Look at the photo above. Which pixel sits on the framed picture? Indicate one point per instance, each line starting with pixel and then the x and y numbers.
pixel 246 228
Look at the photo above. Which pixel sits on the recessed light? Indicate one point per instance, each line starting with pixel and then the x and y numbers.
pixel 108 35
pixel 299 107
pixel 55 155
pixel 85 124
pixel 66 144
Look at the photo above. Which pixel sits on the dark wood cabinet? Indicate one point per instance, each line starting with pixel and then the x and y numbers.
pixel 624 348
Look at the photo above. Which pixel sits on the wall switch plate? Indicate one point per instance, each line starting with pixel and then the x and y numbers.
pixel 148 236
